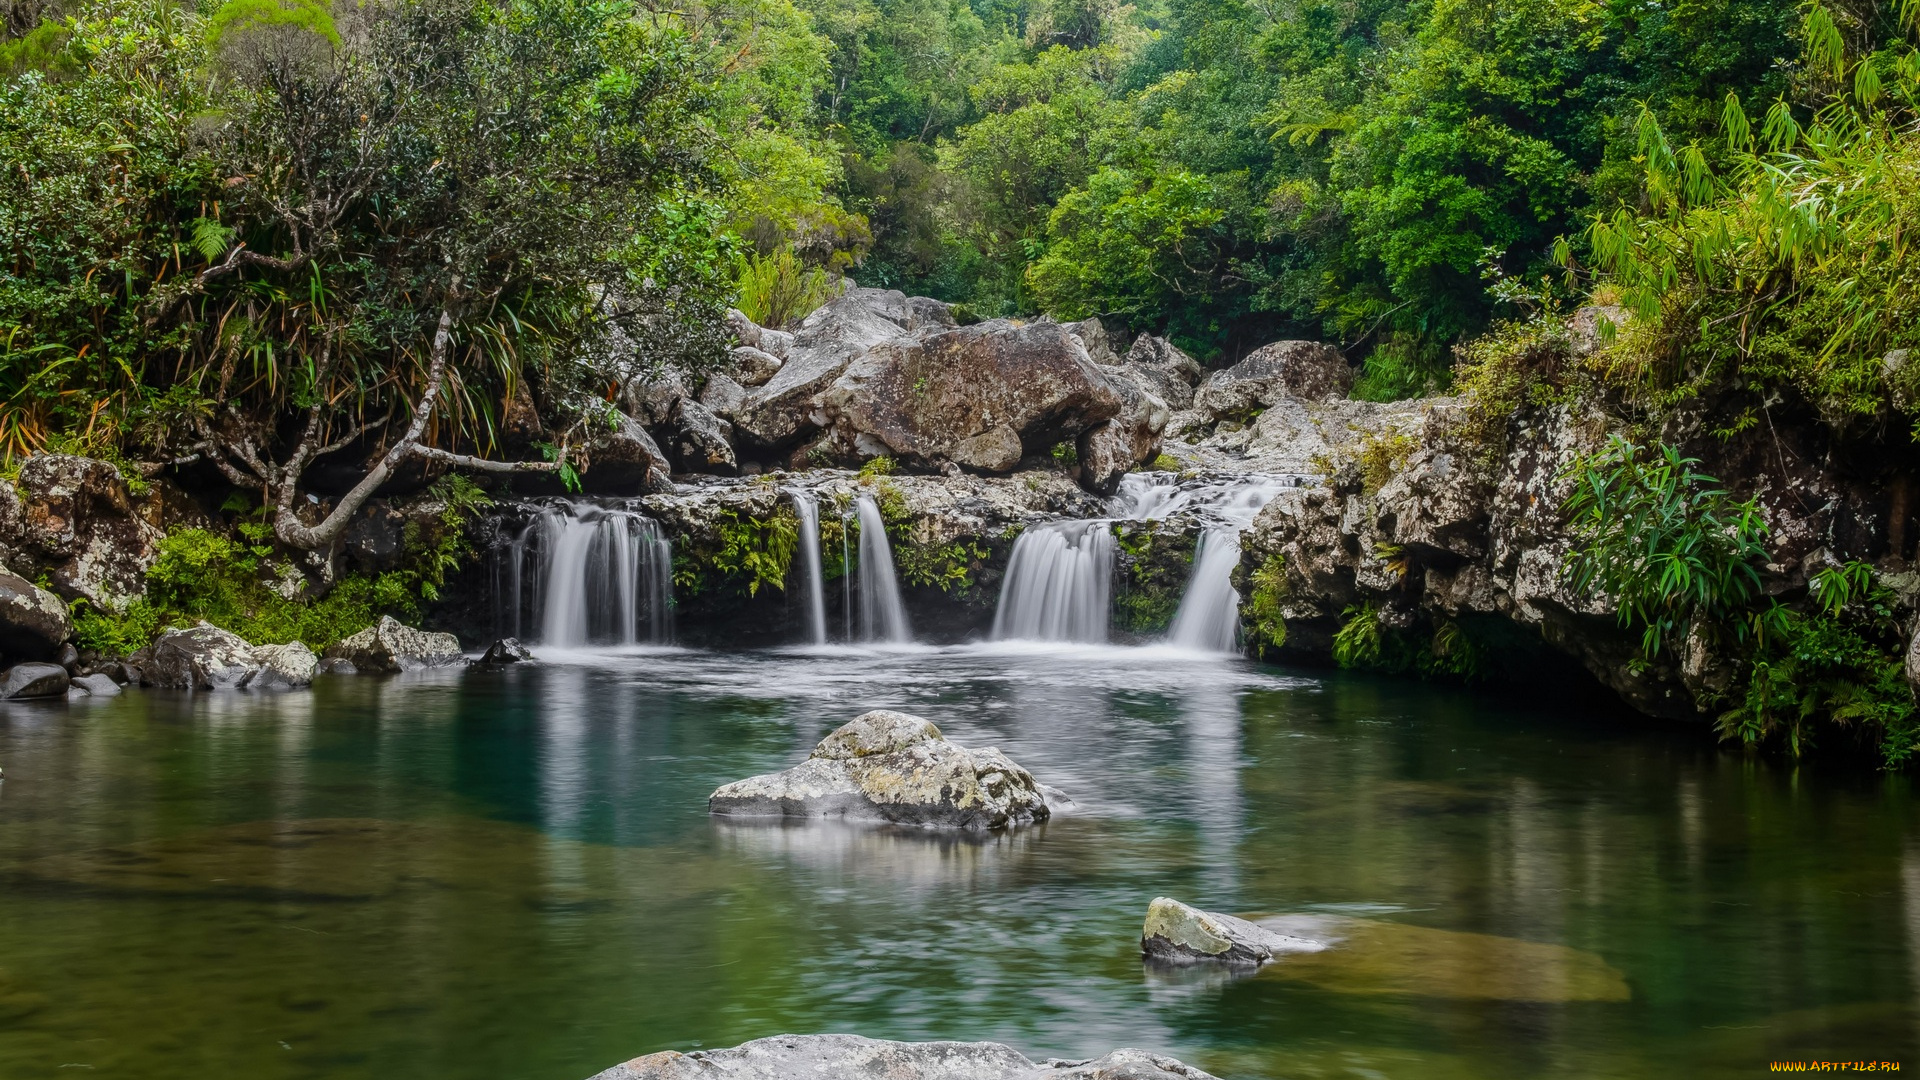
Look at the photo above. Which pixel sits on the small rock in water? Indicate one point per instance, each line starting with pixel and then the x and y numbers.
pixel 334 665
pixel 204 657
pixel 787 1056
pixel 33 681
pixel 506 651
pixel 1185 934
pixel 891 767
pixel 283 667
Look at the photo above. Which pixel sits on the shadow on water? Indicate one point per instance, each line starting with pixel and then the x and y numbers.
pixel 511 873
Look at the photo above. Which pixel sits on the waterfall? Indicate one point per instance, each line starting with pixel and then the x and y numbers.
pixel 810 553
pixel 1059 584
pixel 1209 614
pixel 882 616
pixel 602 576
pixel 846 578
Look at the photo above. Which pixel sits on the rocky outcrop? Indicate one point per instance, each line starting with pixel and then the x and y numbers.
pixel 76 520
pixel 977 396
pixel 33 622
pixel 702 439
pixel 392 646
pixel 787 1057
pixel 1180 934
pixel 890 767
pixel 95 685
pixel 780 412
pixel 25 681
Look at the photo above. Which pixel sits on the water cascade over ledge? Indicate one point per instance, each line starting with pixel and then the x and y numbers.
pixel 809 511
pixel 1059 584
pixel 883 617
pixel 589 574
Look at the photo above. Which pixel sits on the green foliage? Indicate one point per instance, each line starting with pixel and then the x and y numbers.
pixel 239 584
pixel 1448 651
pixel 1664 543
pixel 1261 614
pixel 751 553
pixel 1840 664
pixel 1156 565
pixel 884 465
pixel 778 290
pixel 1065 454
pixel 1164 463
pixel 947 567
pixel 237 19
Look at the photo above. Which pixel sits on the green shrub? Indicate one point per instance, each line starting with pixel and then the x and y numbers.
pixel 778 289
pixel 1260 614
pixel 752 553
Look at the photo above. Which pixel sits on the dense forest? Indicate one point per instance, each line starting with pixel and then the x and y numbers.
pixel 309 247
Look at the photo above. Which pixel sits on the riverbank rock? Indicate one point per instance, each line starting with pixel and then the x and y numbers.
pixel 283 667
pixel 204 657
pixel 33 622
pixel 391 646
pixel 781 411
pixel 33 681
pixel 1183 934
pixel 833 1057
pixel 888 766
pixel 1307 370
pixel 95 685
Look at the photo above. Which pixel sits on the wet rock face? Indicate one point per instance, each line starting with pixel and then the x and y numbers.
pixel 1180 934
pixel 506 651
pixel 888 766
pixel 785 1057
pixel 75 518
pixel 964 395
pixel 283 667
pixel 392 646
pixel 33 622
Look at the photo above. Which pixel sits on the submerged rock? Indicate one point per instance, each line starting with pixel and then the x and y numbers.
pixel 33 681
pixel 891 767
pixel 390 645
pixel 785 1057
pixel 1183 934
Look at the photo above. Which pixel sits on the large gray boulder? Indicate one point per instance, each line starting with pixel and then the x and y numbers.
pixel 967 395
pixel 842 1057
pixel 203 657
pixel 1307 370
pixel 33 622
pixel 33 681
pixel 624 460
pixel 888 766
pixel 1129 440
pixel 95 685
pixel 781 411
pixel 390 646
pixel 1183 934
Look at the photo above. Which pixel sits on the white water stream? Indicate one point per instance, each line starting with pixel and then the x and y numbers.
pixel 883 618
pixel 809 511
pixel 600 575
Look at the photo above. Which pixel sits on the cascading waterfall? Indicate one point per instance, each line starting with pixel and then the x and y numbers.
pixel 1209 615
pixel 1059 584
pixel 882 616
pixel 1208 618
pixel 804 505
pixel 601 576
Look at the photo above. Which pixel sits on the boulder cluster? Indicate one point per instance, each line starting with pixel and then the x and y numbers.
pixel 876 373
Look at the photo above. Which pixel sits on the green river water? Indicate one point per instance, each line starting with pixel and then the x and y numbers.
pixel 512 875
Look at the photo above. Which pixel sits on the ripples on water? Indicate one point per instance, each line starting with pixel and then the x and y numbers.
pixel 512 874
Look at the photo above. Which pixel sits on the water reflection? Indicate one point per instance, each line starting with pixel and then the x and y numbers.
pixel 512 873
